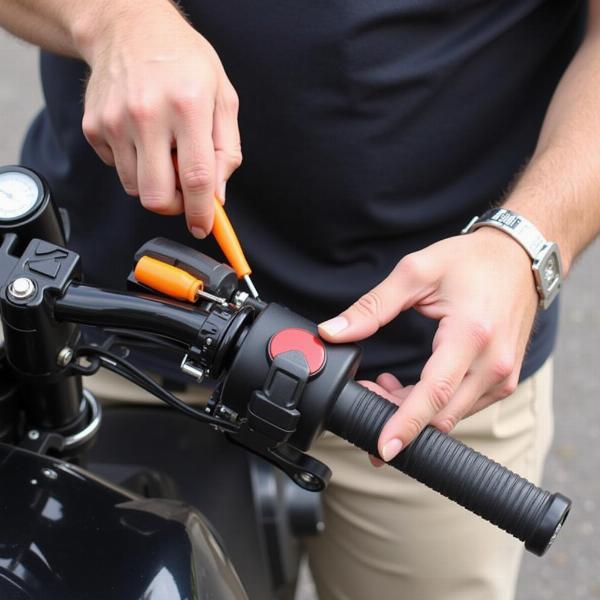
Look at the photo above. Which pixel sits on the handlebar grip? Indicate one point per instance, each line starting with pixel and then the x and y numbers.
pixel 460 473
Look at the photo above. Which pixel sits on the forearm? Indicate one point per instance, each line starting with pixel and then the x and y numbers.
pixel 71 27
pixel 559 191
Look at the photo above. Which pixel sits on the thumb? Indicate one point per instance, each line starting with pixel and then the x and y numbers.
pixel 400 290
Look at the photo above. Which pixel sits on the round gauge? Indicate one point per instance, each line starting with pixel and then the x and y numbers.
pixel 19 194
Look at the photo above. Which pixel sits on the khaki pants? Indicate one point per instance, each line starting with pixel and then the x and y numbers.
pixel 389 537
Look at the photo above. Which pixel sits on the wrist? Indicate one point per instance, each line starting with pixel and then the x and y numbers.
pixel 94 28
pixel 543 254
pixel 497 244
pixel 549 225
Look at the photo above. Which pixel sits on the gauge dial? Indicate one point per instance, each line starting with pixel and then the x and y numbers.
pixel 19 194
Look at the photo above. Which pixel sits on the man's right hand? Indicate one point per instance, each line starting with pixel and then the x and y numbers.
pixel 157 84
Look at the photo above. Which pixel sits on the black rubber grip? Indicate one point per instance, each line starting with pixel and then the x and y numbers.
pixel 460 473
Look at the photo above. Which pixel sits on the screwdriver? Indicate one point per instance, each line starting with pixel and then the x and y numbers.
pixel 228 241
pixel 172 281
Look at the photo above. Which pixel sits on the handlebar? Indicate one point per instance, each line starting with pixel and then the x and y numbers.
pixel 272 398
pixel 88 305
pixel 456 471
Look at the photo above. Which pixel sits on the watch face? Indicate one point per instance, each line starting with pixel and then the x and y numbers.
pixel 547 268
pixel 550 270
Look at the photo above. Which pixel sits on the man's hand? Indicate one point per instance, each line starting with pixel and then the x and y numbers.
pixel 156 84
pixel 481 290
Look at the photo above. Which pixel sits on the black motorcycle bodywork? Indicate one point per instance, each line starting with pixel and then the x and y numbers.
pixel 68 535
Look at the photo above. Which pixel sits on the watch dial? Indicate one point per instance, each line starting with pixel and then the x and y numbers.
pixel 550 269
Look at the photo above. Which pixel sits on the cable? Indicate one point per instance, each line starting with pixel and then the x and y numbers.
pixel 131 336
pixel 113 362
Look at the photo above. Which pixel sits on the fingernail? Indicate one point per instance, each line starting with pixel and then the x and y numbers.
pixel 222 190
pixel 335 325
pixel 198 232
pixel 391 449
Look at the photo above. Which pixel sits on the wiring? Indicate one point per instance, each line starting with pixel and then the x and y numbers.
pixel 100 356
pixel 142 339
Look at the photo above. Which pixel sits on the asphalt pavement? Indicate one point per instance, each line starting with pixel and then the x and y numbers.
pixel 571 570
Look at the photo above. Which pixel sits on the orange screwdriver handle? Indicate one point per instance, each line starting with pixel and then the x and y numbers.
pixel 167 279
pixel 224 233
pixel 228 241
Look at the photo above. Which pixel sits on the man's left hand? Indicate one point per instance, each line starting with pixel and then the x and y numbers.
pixel 481 289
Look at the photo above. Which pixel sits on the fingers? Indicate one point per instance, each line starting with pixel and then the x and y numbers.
pixel 92 131
pixel 493 375
pixel 226 138
pixel 141 101
pixel 136 140
pixel 125 161
pixel 456 345
pixel 471 388
pixel 139 143
pixel 413 279
pixel 477 391
pixel 381 391
pixel 392 384
pixel 155 174
pixel 115 152
pixel 388 386
pixel 376 462
pixel 196 160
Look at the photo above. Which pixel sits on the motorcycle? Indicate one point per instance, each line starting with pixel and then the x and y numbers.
pixel 97 502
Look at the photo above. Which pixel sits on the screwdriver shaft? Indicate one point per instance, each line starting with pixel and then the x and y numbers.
pixel 250 285
pixel 211 297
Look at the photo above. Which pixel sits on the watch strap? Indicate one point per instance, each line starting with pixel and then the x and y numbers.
pixel 519 228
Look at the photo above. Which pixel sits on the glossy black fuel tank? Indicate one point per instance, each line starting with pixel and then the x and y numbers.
pixel 66 535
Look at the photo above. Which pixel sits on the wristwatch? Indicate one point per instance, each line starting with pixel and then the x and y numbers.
pixel 546 263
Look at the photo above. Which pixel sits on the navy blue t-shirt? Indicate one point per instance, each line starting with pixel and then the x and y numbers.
pixel 370 129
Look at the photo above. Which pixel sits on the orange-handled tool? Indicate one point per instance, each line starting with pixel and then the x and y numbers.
pixel 171 281
pixel 226 238
pixel 229 243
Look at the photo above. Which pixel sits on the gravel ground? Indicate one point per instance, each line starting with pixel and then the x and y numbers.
pixel 572 568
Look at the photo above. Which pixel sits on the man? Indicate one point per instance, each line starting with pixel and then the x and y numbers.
pixel 373 131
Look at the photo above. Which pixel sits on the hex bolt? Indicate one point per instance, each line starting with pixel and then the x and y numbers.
pixel 34 434
pixel 64 357
pixel 21 288
pixel 50 473
pixel 227 413
pixel 307 477
pixel 240 298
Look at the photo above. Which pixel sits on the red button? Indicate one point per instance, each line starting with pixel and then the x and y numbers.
pixel 302 341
